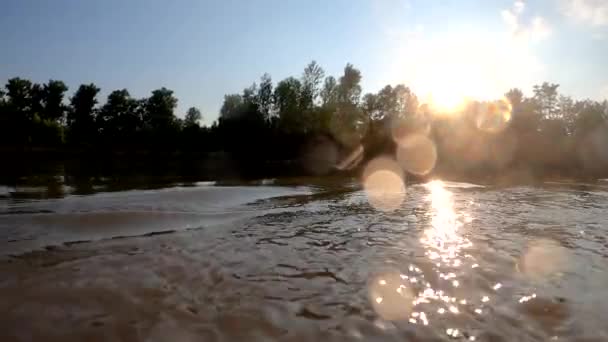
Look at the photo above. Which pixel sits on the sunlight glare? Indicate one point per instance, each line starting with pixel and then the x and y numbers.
pixel 417 154
pixel 443 235
pixel 494 116
pixel 384 184
pixel 544 258
pixel 446 102
pixel 450 68
pixel 390 296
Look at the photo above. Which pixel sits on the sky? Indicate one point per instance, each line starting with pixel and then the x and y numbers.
pixel 203 49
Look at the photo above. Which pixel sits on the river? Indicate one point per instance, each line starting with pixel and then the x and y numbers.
pixel 439 261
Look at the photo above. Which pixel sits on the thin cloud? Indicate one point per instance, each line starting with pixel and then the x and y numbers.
pixel 537 29
pixel 590 12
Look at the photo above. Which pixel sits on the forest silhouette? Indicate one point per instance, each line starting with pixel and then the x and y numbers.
pixel 314 124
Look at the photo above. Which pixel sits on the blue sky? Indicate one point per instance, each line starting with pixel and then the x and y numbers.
pixel 205 49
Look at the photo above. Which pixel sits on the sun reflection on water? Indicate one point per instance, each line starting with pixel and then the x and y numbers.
pixel 445 244
pixel 442 240
pixel 435 292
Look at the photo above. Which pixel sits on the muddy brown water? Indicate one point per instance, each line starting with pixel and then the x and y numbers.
pixel 454 261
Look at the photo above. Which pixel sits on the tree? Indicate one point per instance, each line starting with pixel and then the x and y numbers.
pixel 242 125
pixel 391 103
pixel 264 96
pixel 567 113
pixel 311 80
pixel 371 106
pixel 349 90
pixel 545 96
pixel 232 107
pixel 406 102
pixel 590 116
pixel 159 109
pixel 117 119
pixel 81 117
pixel 329 93
pixel 525 116
pixel 287 102
pixel 193 117
pixel 52 99
pixel 191 135
pixel 18 105
pixel 19 95
pixel 515 97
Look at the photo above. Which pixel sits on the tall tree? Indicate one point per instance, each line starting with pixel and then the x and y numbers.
pixel 590 116
pixel 567 113
pixel 159 109
pixel 18 105
pixel 525 116
pixel 329 93
pixel 406 102
pixel 264 96
pixel 116 119
pixel 371 107
pixel 232 107
pixel 193 117
pixel 53 93
pixel 391 103
pixel 287 101
pixel 19 95
pixel 191 133
pixel 546 96
pixel 349 90
pixel 515 97
pixel 81 117
pixel 311 80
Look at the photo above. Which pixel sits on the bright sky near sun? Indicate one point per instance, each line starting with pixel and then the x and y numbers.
pixel 203 49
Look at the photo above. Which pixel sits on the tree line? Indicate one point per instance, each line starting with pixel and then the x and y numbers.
pixel 319 121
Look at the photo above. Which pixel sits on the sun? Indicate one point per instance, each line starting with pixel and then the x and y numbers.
pixel 450 85
pixel 450 69
pixel 446 101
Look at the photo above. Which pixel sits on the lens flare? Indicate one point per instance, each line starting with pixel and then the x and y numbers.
pixel 592 151
pixel 352 159
pixel 494 117
pixel 417 154
pixel 544 258
pixel 384 184
pixel 401 128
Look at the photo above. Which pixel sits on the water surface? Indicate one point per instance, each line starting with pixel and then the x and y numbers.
pixel 454 261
